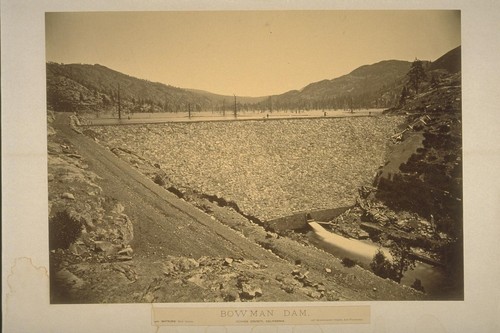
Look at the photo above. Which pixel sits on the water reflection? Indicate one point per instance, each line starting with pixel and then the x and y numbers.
pixel 432 278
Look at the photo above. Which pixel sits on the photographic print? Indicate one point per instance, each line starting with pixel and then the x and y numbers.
pixel 254 156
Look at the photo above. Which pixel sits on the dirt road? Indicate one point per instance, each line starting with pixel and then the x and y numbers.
pixel 163 223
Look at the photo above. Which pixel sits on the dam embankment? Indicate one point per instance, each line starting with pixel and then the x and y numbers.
pixel 269 168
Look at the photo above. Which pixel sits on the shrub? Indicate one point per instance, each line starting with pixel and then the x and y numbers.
pixel 382 267
pixel 401 262
pixel 63 230
pixel 417 285
pixel 158 179
pixel 347 262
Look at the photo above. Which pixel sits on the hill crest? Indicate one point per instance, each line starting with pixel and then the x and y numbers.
pixel 97 88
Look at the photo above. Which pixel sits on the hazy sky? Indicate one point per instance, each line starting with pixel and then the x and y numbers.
pixel 247 53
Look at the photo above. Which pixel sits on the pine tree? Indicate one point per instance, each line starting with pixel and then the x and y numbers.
pixel 416 74
pixel 402 260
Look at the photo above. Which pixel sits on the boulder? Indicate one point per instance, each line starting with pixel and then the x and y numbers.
pixel 312 293
pixel 126 251
pixel 289 285
pixel 125 229
pixel 187 264
pixel 50 130
pixel 78 249
pixel 118 208
pixel 230 294
pixel 68 195
pixel 249 292
pixel 168 268
pixel 148 298
pixel 107 247
pixel 320 287
pixel 54 148
pixel 363 234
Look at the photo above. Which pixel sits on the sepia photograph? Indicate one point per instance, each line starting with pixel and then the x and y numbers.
pixel 254 156
pixel 250 166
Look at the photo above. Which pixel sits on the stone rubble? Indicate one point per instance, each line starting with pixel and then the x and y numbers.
pixel 269 169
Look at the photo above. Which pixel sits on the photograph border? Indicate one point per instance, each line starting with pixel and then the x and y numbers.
pixel 25 300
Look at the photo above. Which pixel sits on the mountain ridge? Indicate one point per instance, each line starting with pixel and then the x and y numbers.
pixel 97 88
pixel 365 86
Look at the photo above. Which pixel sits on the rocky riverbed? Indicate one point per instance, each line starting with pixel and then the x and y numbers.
pixel 269 168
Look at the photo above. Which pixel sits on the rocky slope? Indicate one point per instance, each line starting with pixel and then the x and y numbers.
pixel 81 217
pixel 83 222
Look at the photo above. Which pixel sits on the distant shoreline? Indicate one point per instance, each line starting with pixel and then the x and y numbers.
pixel 155 118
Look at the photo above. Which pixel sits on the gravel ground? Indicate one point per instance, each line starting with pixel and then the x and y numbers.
pixel 269 168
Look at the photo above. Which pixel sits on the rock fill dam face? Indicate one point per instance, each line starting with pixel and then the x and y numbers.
pixel 269 168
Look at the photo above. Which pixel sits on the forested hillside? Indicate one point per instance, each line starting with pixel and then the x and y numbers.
pixel 100 89
pixel 96 88
pixel 430 181
pixel 369 86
